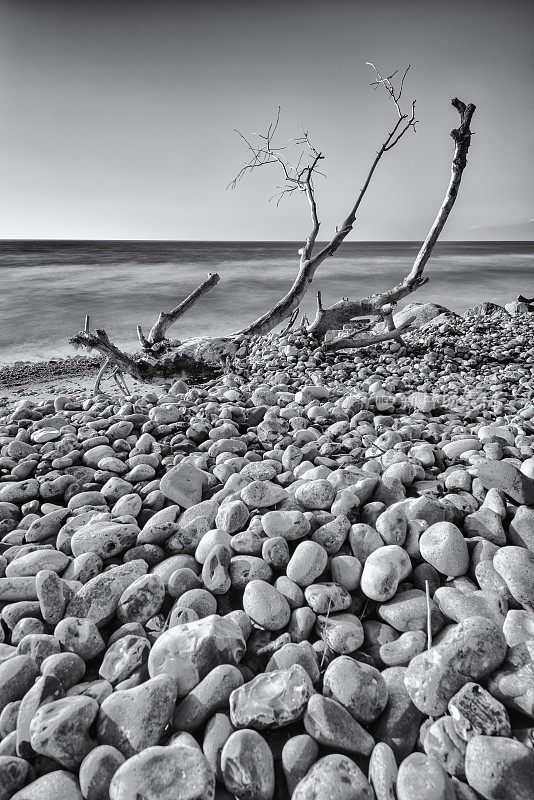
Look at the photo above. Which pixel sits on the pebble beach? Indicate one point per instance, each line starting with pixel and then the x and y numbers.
pixel 310 578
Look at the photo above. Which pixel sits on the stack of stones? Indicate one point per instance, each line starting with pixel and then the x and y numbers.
pixel 283 584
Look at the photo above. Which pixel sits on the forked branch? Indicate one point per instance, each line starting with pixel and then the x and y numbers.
pixel 308 262
pixel 345 310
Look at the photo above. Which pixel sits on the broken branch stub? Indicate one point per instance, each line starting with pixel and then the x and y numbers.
pixel 166 319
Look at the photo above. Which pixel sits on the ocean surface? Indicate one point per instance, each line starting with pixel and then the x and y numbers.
pixel 47 287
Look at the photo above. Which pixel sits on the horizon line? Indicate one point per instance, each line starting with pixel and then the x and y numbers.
pixel 262 241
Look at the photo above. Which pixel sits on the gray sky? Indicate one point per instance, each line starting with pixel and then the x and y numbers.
pixel 117 117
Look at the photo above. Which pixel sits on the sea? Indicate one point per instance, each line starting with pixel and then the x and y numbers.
pixel 47 287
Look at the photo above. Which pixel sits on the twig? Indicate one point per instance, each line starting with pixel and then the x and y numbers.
pixel 326 626
pixel 101 371
pixel 428 617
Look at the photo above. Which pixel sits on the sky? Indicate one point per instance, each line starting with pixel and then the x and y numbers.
pixel 117 118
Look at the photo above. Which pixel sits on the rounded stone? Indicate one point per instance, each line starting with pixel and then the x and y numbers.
pixel 422 777
pixel 443 546
pixel 289 524
pixel 516 566
pixel 271 699
pixel 188 652
pixel 141 600
pixel 183 485
pixel 56 785
pixel 327 598
pixel 499 768
pixel 134 719
pixel 298 756
pixel 383 569
pixel 96 771
pixel 13 775
pixel 336 777
pixel 360 688
pixel 307 563
pixel 80 636
pixel 68 668
pixel 247 766
pixel 60 730
pixel 211 695
pixel 331 725
pixel 199 600
pixel 164 773
pixel 266 606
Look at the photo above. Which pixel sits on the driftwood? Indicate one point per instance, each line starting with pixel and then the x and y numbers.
pixel 201 358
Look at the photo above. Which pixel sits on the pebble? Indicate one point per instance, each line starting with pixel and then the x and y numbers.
pixel 499 768
pixel 254 552
pixel 507 477
pixel 80 636
pixel 164 773
pixel 247 766
pixel 289 524
pixel 360 688
pixel 216 733
pixel 307 563
pixel 17 675
pixel 183 485
pixel 131 720
pixel 272 699
pixel 209 696
pixel 55 785
pixel 516 565
pixel 331 725
pixel 475 712
pixel 265 605
pixel 383 772
pixel 299 754
pixel 96 771
pixel 443 546
pixel 422 777
pixel 335 776
pixel 46 689
pixel 13 775
pixel 60 730
pixel 190 651
pixel 471 650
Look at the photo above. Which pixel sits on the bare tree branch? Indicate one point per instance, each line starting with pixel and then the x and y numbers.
pixel 297 173
pixel 343 311
pixel 309 264
pixel 348 342
pixel 165 320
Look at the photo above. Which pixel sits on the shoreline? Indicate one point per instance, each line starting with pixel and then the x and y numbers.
pixel 308 536
pixel 44 379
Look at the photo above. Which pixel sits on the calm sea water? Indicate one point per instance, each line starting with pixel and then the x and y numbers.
pixel 46 288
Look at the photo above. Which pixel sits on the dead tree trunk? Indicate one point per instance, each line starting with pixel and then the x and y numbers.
pixel 199 359
pixel 346 310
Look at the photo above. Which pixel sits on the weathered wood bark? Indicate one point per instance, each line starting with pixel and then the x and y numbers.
pixel 202 358
pixel 308 264
pixel 351 342
pixel 196 360
pixel 165 320
pixel 346 310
